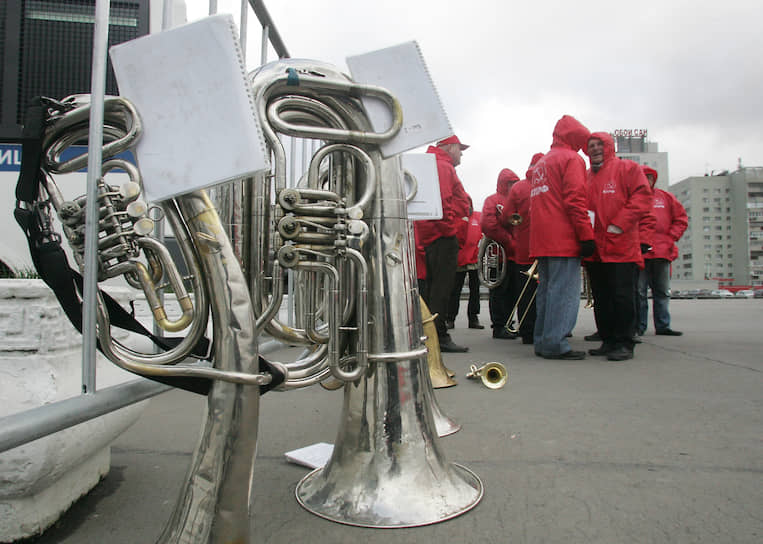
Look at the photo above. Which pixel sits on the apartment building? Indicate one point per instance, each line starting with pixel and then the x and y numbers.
pixel 724 241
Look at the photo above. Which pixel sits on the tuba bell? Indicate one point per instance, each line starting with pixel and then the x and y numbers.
pixel 492 375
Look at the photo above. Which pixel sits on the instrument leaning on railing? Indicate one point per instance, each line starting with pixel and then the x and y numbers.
pixel 344 234
pixel 212 510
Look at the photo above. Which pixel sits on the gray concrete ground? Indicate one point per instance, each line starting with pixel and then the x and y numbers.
pixel 666 448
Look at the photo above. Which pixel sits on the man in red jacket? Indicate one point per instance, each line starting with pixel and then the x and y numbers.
pixel 518 205
pixel 619 198
pixel 495 227
pixel 467 266
pixel 671 224
pixel 439 237
pixel 560 233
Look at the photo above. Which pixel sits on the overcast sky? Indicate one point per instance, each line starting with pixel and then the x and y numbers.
pixel 688 71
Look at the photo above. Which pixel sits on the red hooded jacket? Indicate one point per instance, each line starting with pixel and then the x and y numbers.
pixel 558 200
pixel 455 202
pixel 494 210
pixel 470 250
pixel 518 202
pixel 618 194
pixel 671 222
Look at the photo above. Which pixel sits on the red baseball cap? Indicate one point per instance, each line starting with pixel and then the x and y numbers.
pixel 452 140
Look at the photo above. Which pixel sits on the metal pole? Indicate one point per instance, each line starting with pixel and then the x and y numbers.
pixel 94 159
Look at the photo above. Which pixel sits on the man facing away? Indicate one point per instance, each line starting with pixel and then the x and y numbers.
pixel 619 197
pixel 439 240
pixel 495 226
pixel 671 224
pixel 560 233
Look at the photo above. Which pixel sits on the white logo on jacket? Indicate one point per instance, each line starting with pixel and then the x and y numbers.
pixel 659 202
pixel 610 188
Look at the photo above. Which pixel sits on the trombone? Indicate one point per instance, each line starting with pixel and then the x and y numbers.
pixel 532 275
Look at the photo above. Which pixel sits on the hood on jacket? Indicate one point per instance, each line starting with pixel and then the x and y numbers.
pixel 533 162
pixel 505 178
pixel 570 132
pixel 650 172
pixel 607 140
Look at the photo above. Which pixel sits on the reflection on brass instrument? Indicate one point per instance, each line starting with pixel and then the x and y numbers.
pixel 210 509
pixel 492 262
pixel 438 373
pixel 587 289
pixel 493 375
pixel 532 276
pixel 515 219
pixel 342 232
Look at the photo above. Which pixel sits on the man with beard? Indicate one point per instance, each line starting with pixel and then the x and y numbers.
pixel 619 197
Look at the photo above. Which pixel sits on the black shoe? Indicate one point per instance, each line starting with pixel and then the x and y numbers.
pixel 527 340
pixel 604 349
pixel 620 353
pixel 567 356
pixel 593 337
pixel 636 339
pixel 504 334
pixel 475 324
pixel 450 324
pixel 668 332
pixel 568 335
pixel 448 346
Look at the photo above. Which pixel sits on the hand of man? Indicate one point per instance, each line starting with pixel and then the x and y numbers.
pixel 645 248
pixel 614 229
pixel 587 248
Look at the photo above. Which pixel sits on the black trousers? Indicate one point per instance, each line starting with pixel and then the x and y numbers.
pixel 473 307
pixel 614 303
pixel 500 299
pixel 526 302
pixel 442 261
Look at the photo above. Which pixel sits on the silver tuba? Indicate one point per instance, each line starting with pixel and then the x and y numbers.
pixel 344 232
pixel 210 509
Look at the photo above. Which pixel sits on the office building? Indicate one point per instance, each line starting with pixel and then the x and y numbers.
pixel 46 48
pixel 724 241
pixel 632 144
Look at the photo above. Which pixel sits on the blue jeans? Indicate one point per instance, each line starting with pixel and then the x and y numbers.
pixel 557 301
pixel 656 274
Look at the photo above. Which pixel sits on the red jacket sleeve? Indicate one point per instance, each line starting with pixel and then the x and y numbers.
pixel 640 202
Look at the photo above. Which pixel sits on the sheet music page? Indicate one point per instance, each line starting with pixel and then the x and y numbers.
pixel 189 87
pixel 401 70
pixel 427 203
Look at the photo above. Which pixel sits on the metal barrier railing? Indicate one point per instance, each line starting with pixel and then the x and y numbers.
pixel 23 427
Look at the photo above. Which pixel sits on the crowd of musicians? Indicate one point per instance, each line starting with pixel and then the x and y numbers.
pixel 610 218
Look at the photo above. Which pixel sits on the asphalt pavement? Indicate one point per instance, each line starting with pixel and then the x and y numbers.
pixel 664 448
